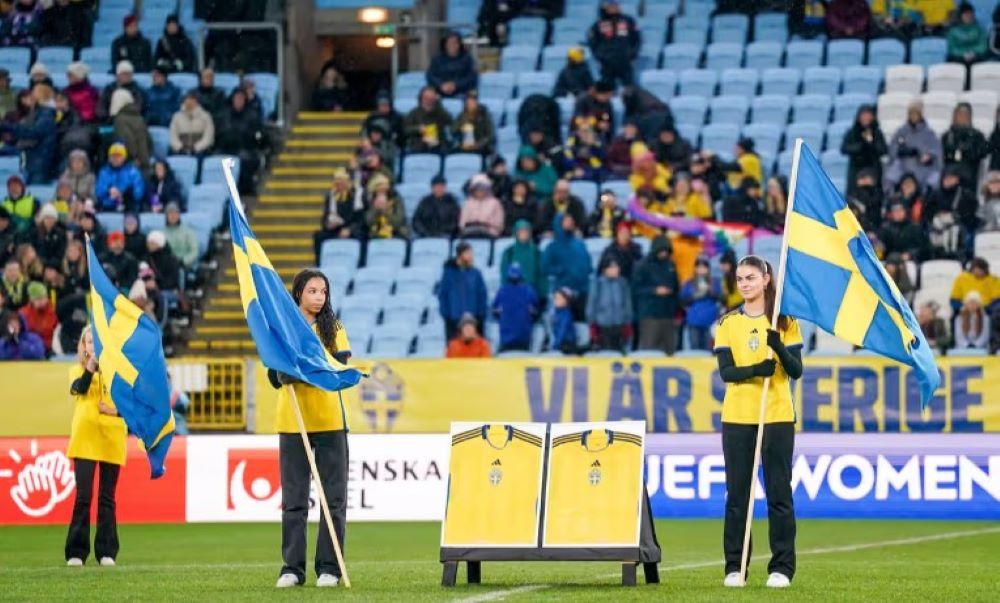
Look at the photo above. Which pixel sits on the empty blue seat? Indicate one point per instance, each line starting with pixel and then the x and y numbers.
pixel 782 81
pixel 720 138
pixel 227 82
pixel 554 58
pixel 411 193
pixel 161 140
pixel 740 82
pixel 766 137
pixel 928 51
pixel 481 251
pixel 886 51
pixel 729 110
pixel 690 30
pixel 56 58
pixel 770 26
pixel 785 160
pixel 358 318
pixel 586 191
pixel 835 165
pixel 493 106
pixel 496 84
pixel 211 169
pixel 184 81
pixel 621 189
pixel 408 85
pixel 844 53
pixel 452 105
pixel 835 132
pixel 421 167
pixel 535 82
pixel 724 55
pixel 811 108
pixel 15 59
pixel 431 346
pixel 185 169
pixel 821 80
pixel 569 31
pixel 98 58
pixel 377 279
pixel 459 167
pixel 681 56
pixel 661 82
pixel 689 110
pixel 845 106
pixel 268 89
pixel 510 108
pixel 697 82
pixel 649 55
pixel 863 79
pixel 654 30
pixel 340 252
pixel 386 252
pixel 811 133
pixel 526 30
pixel 390 344
pixel 429 252
pixel 730 28
pixel 519 58
pixel 770 109
pixel 803 53
pixel 764 54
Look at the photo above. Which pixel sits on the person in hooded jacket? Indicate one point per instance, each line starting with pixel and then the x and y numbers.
pixel 209 96
pixel 964 146
pixel 671 150
pixel 473 128
pixel 130 128
pixel 437 214
pixel 67 23
pixel 163 99
pixel 527 256
pixel 622 251
pixel 135 239
pixel 866 200
pixel 539 174
pixel 575 77
pixel 655 287
pixel 385 216
pixel 482 213
pixel 79 175
pixel 461 291
pixel 427 126
pixel 331 91
pixel 914 148
pixel 519 205
pixel 16 341
pixel 516 308
pixel 614 39
pixel 132 46
pixel 609 309
pixel 700 296
pixel 452 71
pixel 951 213
pixel 386 118
pixel 501 178
pixel 48 237
pixel 864 145
pixel 567 263
pixel 174 51
pixel 163 188
pixel 163 261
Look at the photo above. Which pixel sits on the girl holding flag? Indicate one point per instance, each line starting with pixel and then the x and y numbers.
pixel 97 439
pixel 741 347
pixel 326 425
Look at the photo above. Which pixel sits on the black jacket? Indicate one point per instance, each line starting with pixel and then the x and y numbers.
pixel 391 122
pixel 574 79
pixel 125 266
pixel 167 268
pixel 512 212
pixel 964 147
pixel 211 99
pixel 175 53
pixel 70 25
pixel 574 208
pixel 904 237
pixel 237 131
pixel 959 200
pixel 436 216
pixel 136 50
pixel 459 69
pixel 50 245
pixel 650 273
pixel 614 38
pixel 862 153
pixel 353 219
pixel 625 257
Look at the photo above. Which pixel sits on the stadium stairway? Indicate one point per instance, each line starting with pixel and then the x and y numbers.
pixel 287 212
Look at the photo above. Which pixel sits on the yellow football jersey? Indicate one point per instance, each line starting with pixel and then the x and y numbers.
pixel 595 489
pixel 321 410
pixel 494 483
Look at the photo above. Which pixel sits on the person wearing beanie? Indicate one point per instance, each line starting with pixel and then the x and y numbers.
pixel 162 260
pixel 39 74
pixel 964 146
pixel 655 287
pixel 614 39
pixel 427 125
pixel 67 23
pixel 132 46
pixel 500 179
pixel 163 99
pixel 385 217
pixel 174 51
pixel 240 131
pixel 462 290
pixel 13 284
pixel 19 203
pixel 575 77
pixel 746 163
pixel 82 95
pixel 124 78
pixel 516 307
pixel 914 149
pixel 386 118
pixel 538 173
pixel 468 343
pixel 124 264
pixel 39 315
pixel 437 213
pixel 972 325
pixel 120 185
pixel 130 128
pixel 745 205
pixel 584 153
pixel 967 40
pixel 453 70
pixel 482 213
pixel 48 236
pixel 609 309
pixel 192 129
pixel 525 253
pixel 671 149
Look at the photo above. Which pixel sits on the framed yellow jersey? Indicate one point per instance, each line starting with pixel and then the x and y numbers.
pixel 594 485
pixel 494 485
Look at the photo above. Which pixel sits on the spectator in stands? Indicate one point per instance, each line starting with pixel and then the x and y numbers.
pixel 995 137
pixel 567 263
pixel 500 178
pixel 583 155
pixel 120 185
pixel 13 285
pixel 744 205
pixel 596 105
pixel 864 145
pixel 515 306
pixel 914 148
pixel 609 309
pixel 162 188
pixel 895 267
pixel 374 142
pixel 174 52
pixel 899 235
pixel 775 203
pixel 385 215
pixel 539 174
pixel 976 278
pixel 17 342
pixel 746 163
pixel 994 40
pixel 135 239
pixel 38 315
pixel 525 254
pixel 67 23
pixel 520 204
pixel 964 146
pixel 427 125
pixel 603 221
pixel 482 213
pixel 48 237
pixel 343 213
pixel 8 100
pixel 614 40
pixel 731 298
pixel 473 128
pixel 685 201
pixel 192 130
pixel 574 78
pixel 561 202
pixel 648 175
pixel 671 150
pixel 972 326
pixel 163 99
pixel 163 261
pixel 369 161
pixel 88 224
pixel 35 134
pixel 79 175
pixel 910 193
pixel 132 46
pixel 934 328
pixel 24 23
pixel 386 118
pixel 807 18
pixel 467 342
pixel 562 327
pixel 210 97
pixel 31 265
pixel 967 41
pixel 891 18
pixel 493 17
pixel 82 95
pixel 124 78
pixel 239 131
pixel 331 92
pixel 623 251
pixel 700 296
pixel 21 206
pixel 951 212
pixel 989 203
pixel 9 236
pixel 39 74
pixel 655 287
pixel 130 128
pixel 461 291
pixel 254 103
pixel 848 19
pixel 437 214
pixel 619 156
pixel 125 265
pixel 452 71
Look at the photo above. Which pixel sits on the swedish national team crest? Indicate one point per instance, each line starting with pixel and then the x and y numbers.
pixel 594 477
pixel 381 398
pixel 754 341
pixel 496 473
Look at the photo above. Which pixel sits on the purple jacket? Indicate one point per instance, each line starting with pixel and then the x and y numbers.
pixel 29 346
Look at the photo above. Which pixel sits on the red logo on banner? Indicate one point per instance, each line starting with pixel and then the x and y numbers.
pixel 254 479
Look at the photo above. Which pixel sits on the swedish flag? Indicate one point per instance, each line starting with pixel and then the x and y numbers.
pixel 129 349
pixel 285 341
pixel 834 279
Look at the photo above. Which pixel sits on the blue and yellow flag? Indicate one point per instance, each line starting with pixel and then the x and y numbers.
pixel 285 341
pixel 834 279
pixel 129 349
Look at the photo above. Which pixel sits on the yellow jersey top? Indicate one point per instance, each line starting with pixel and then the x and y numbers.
pixel 321 410
pixel 494 484
pixel 94 436
pixel 988 287
pixel 595 489
pixel 746 337
pixel 749 166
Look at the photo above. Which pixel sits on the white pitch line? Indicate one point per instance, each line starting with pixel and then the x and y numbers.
pixel 503 594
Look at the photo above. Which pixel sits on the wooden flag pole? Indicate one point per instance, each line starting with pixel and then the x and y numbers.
pixel 780 286
pixel 314 470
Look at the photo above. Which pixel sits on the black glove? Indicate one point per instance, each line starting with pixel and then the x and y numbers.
pixel 286 379
pixel 905 150
pixel 774 340
pixel 764 369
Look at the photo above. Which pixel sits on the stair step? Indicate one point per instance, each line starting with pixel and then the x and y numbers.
pixel 287 273
pixel 222 344
pixel 229 330
pixel 210 315
pixel 303 171
pixel 326 129
pixel 284 228
pixel 297 185
pixel 305 143
pixel 297 242
pixel 358 116
pixel 292 198
pixel 331 157
pixel 226 302
pixel 286 213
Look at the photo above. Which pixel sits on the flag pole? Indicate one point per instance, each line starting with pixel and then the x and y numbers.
pixel 779 289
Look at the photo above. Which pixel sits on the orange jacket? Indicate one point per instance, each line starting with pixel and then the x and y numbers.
pixel 476 348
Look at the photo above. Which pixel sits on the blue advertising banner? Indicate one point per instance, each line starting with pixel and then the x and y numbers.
pixel 919 476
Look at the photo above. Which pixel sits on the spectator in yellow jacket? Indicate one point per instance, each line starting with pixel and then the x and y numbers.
pixel 977 278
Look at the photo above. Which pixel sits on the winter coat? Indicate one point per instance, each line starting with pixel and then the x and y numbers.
pixel 676 154
pixel 848 19
pixel 130 128
pixel 211 99
pixel 602 113
pixel 529 258
pixel 36 137
pixel 650 273
pixel 70 25
pixel 542 179
pixel 563 330
pixel 135 49
pixel 481 217
pixel 572 206
pixel 162 192
pixel 614 39
pixel 619 157
pixel 574 79
pixel 476 128
pixel 602 222
pixel 625 257
pixel 22 211
pixel 513 211
pixel 125 266
pixel 582 161
pixel 995 144
pixel 475 348
pixel 515 305
pixel 965 39
pixel 907 146
pixel 82 184
pixel 861 153
pixel 964 147
pixel 84 99
pixel 161 104
pixel 167 268
pixel 866 202
pixel 459 69
pixel 391 123
pixel 609 303
pixel 237 132
pixel 126 179
pixel 388 223
pixel 175 53
pixel 342 205
pixel 332 98
pixel 192 131
pixel 566 261
pixel 959 201
pixel 28 346
pixel 462 289
pixel 701 298
pixel 41 322
pixel 49 244
pixel 904 237
pixel 138 96
pixel 436 216
pixel 539 112
pixel 432 125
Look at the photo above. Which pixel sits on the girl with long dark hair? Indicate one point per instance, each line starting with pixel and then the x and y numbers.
pixel 741 343
pixel 325 421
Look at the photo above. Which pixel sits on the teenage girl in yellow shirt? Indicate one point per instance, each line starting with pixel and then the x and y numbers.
pixel 741 343
pixel 97 439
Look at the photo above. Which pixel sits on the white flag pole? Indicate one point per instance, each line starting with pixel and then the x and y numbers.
pixel 779 289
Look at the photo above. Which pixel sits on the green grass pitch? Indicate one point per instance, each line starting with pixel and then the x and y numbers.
pixel 838 561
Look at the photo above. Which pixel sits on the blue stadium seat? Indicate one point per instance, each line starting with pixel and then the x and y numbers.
pixel 740 82
pixel 720 138
pixel 98 58
pixel 211 169
pixel 928 51
pixel 185 169
pixel 268 88
pixel 208 199
pixel 496 84
pixel 803 53
pixel 358 318
pixel 781 81
pixel 431 346
pixel 227 82
pixel 429 252
pixel 649 55
pixel 482 250
pixel 886 51
pixel 452 105
pixel 730 28
pixel 835 132
pixel 811 108
pixel 391 344
pixel 408 84
pixel 621 189
pixel 519 58
pixel 729 110
pixel 526 30
pixel 185 81
pixel 375 279
pixel 10 164
pixel 586 191
pixel 554 58
pixel 770 109
pixel 411 193
pixel 661 9
pixel 417 279
pixel 459 167
pixel 689 110
pixel 421 167
pixel 845 106
pixel 821 80
pixel 690 30
pixel 56 58
pixel 161 140
pixel 770 26
pixel 811 133
pixel 386 252
pixel 697 82
pixel 535 82
pixel 764 54
pixel 766 137
pixel 494 106
pixel 340 252
pixel 785 160
pixel 144 80
pixel 835 165
pixel 654 30
pixel 724 55
pixel 681 56
pixel 510 108
pixel 566 106
pixel 863 79
pixel 402 312
pixel 15 59
pixel 844 53
pixel 699 9
pixel 569 31
pixel 661 82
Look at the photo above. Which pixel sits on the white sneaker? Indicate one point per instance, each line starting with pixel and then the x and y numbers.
pixel 287 580
pixel 733 580
pixel 107 562
pixel 777 580
pixel 325 580
pixel 74 562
